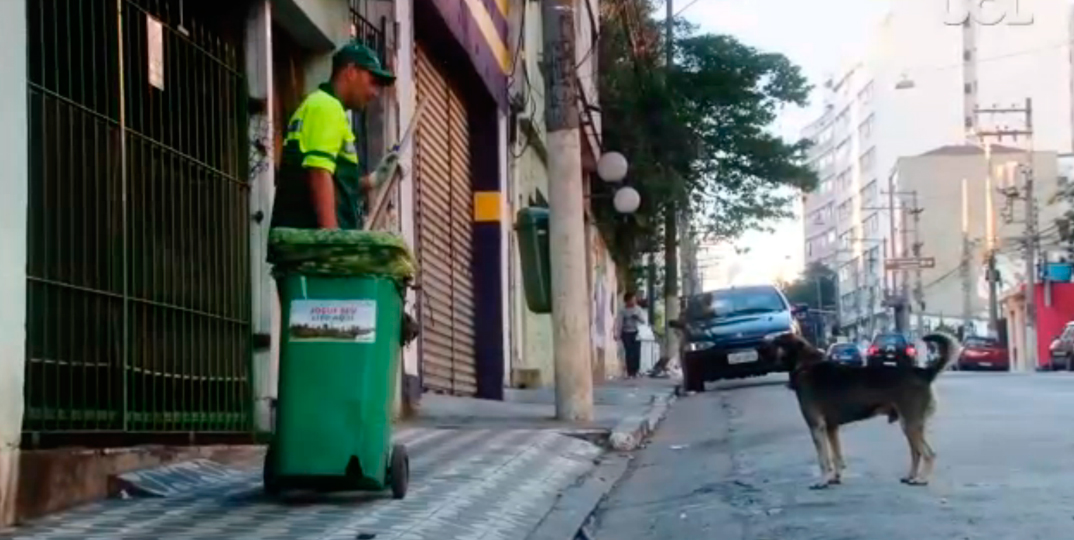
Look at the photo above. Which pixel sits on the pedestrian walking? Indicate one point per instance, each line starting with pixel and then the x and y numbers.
pixel 630 317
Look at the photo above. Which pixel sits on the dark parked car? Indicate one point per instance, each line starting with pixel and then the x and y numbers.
pixel 846 353
pixel 891 349
pixel 726 333
pixel 983 353
pixel 1061 350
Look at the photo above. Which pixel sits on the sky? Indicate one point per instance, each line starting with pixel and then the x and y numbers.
pixel 817 35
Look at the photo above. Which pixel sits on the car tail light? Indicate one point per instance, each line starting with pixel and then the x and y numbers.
pixel 911 351
pixel 873 349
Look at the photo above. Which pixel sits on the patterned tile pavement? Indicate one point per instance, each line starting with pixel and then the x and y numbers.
pixel 466 484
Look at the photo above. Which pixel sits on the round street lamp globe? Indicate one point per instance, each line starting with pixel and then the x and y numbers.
pixel 612 167
pixel 627 200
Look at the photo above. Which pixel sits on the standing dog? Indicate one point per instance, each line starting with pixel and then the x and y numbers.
pixel 832 394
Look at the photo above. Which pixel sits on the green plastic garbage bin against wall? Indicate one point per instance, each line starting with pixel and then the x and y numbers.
pixel 339 354
pixel 532 229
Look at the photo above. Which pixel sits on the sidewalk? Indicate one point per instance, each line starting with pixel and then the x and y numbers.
pixel 479 470
pixel 535 409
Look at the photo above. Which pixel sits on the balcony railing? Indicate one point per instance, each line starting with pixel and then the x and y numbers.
pixel 373 35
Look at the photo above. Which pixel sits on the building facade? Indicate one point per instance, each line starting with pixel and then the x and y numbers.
pixel 938 178
pixel 140 186
pixel 912 91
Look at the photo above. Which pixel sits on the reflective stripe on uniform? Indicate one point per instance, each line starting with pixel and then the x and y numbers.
pixel 323 134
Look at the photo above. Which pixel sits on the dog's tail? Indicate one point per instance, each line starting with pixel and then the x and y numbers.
pixel 949 351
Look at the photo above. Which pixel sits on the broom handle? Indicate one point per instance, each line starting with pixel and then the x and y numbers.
pixel 393 179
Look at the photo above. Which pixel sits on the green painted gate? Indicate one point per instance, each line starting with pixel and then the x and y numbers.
pixel 138 308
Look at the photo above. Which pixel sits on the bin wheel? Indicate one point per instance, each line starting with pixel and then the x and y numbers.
pixel 399 471
pixel 268 474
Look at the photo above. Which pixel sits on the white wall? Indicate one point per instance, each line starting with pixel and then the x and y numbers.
pixel 938 181
pixel 13 154
pixel 331 23
pixel 506 231
pixel 532 332
pixel 406 100
pixel 265 303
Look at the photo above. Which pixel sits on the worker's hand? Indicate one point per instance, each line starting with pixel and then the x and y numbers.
pixel 385 169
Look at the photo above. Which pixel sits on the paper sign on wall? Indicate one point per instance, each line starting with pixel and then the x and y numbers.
pixel 351 321
pixel 155 51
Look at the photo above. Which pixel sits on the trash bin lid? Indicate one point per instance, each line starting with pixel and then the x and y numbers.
pixel 336 252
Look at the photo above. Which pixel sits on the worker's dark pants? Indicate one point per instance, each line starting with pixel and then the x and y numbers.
pixel 632 347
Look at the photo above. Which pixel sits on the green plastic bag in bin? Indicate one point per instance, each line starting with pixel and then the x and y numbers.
pixel 333 252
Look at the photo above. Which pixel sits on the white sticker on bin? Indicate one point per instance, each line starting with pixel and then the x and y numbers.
pixel 352 321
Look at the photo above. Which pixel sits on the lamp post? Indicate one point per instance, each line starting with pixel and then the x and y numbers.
pixel 612 168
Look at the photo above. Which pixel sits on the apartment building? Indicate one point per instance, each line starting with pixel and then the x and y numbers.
pixel 843 216
pixel 915 89
pixel 938 178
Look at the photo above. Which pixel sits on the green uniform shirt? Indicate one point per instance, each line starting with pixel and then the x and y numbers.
pixel 318 136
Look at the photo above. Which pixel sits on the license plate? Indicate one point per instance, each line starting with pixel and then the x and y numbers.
pixel 742 357
pixel 889 363
pixel 986 364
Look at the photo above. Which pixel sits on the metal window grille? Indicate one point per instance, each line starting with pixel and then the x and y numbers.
pixel 138 309
pixel 373 36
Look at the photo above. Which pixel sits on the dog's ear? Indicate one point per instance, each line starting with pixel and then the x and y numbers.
pixel 792 350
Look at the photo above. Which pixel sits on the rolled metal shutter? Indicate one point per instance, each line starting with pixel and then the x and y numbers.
pixel 444 232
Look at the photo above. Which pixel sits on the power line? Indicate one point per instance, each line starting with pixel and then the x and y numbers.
pixel 684 8
pixel 1026 52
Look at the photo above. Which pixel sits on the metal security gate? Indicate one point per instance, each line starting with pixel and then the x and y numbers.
pixel 138 308
pixel 445 232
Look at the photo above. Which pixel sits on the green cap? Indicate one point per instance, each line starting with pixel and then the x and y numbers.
pixel 360 55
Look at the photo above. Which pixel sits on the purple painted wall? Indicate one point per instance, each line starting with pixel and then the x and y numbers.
pixel 464 28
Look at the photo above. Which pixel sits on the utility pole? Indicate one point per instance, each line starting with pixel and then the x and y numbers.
pixel 1031 245
pixel 964 266
pixel 570 304
pixel 650 286
pixel 1030 237
pixel 857 295
pixel 990 244
pixel 898 291
pixel 919 289
pixel 872 297
pixel 671 237
pixel 904 291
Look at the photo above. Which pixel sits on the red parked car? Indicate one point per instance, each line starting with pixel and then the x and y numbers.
pixel 983 353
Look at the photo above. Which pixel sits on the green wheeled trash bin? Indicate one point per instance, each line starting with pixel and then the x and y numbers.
pixel 341 299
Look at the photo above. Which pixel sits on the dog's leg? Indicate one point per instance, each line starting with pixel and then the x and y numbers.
pixel 915 455
pixel 824 457
pixel 919 449
pixel 928 455
pixel 837 454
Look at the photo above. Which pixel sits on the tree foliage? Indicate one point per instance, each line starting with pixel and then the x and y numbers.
pixel 816 287
pixel 698 136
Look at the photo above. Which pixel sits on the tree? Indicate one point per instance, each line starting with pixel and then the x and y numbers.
pixel 816 287
pixel 697 137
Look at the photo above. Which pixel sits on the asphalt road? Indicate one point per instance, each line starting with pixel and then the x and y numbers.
pixel 736 462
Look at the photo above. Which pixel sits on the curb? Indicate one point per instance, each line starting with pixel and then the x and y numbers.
pixel 572 511
pixel 175 479
pixel 631 431
pixel 569 516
